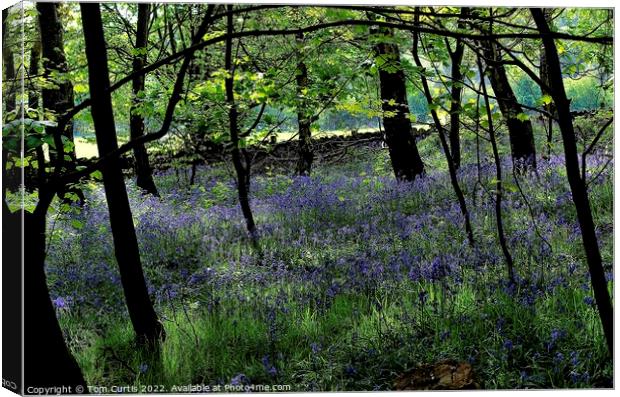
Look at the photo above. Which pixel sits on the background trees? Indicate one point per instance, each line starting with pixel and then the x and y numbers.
pixel 144 176
pixel 399 138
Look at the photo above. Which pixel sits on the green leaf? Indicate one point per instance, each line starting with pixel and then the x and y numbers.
pixel 523 117
pixel 545 99
pixel 510 187
pixel 97 175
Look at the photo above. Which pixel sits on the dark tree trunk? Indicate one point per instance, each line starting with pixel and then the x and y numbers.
pixel 33 70
pixel 304 118
pixel 192 178
pixel 11 178
pixel 143 316
pixel 456 58
pixel 47 360
pixel 243 185
pixel 56 99
pixel 444 143
pixel 9 85
pixel 544 77
pixel 577 185
pixel 59 98
pixel 30 177
pixel 520 132
pixel 498 180
pixel 144 174
pixel 401 142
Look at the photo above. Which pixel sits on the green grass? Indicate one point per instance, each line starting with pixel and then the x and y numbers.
pixel 361 340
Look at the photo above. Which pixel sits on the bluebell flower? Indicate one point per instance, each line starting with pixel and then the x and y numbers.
pixel 60 303
pixel 556 334
pixel 239 380
pixel 574 358
pixel 270 369
pixel 585 377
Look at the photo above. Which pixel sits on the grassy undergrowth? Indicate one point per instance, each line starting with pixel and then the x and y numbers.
pixel 360 279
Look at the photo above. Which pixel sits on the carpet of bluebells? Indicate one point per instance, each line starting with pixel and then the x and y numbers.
pixel 360 278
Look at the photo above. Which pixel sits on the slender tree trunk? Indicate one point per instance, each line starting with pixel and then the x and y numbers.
pixel 57 98
pixel 404 155
pixel 144 174
pixel 498 179
pixel 520 131
pixel 47 360
pixel 143 316
pixel 444 143
pixel 192 178
pixel 9 85
pixel 33 70
pixel 456 58
pixel 30 177
pixel 11 178
pixel 304 118
pixel 544 76
pixel 241 170
pixel 577 185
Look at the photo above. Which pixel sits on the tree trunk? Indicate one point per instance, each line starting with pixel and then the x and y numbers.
pixel 33 70
pixel 498 180
pixel 456 58
pixel 243 185
pixel 544 77
pixel 56 99
pixel 520 132
pixel 143 316
pixel 9 85
pixel 577 185
pixel 444 143
pixel 404 155
pixel 192 178
pixel 144 174
pixel 304 118
pixel 47 360
pixel 11 178
pixel 30 177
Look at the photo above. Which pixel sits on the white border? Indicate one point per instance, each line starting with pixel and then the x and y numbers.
pixel 488 3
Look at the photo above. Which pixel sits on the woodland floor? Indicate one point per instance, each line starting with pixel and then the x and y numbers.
pixel 361 279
